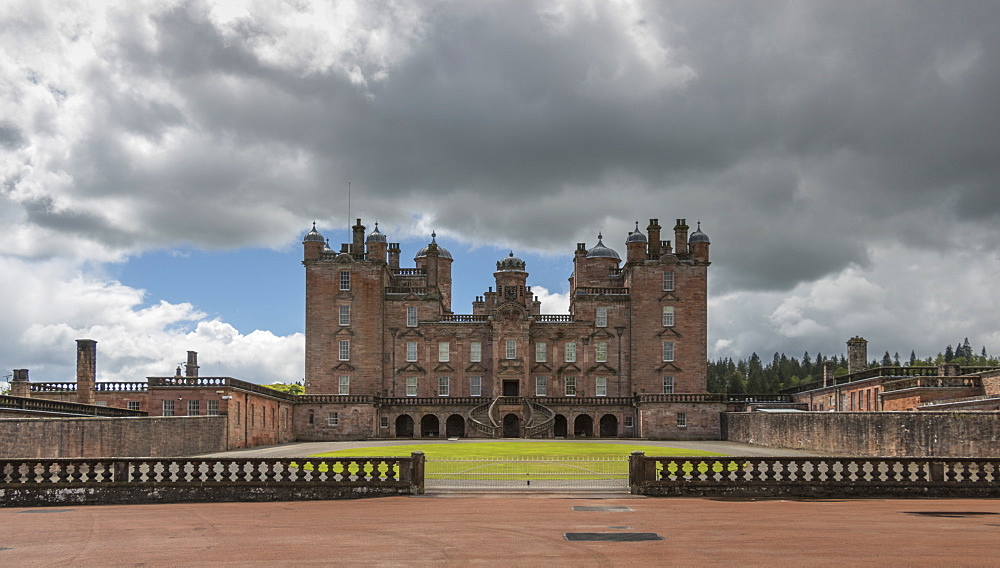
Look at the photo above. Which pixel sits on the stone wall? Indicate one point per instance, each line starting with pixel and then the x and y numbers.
pixel 921 434
pixel 700 421
pixel 102 437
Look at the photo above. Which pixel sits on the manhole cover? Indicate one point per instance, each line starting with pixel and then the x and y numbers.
pixel 612 537
pixel 47 511
pixel 952 514
pixel 608 509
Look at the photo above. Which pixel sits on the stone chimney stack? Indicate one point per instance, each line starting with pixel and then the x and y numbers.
pixel 358 244
pixel 19 385
pixel 86 370
pixel 653 238
pixel 393 255
pixel 857 354
pixel 681 236
pixel 191 367
pixel 828 378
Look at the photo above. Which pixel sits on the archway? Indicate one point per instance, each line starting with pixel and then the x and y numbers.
pixel 454 426
pixel 404 426
pixel 430 426
pixel 511 426
pixel 560 427
pixel 583 426
pixel 609 426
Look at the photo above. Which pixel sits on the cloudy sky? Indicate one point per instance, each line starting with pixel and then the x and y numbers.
pixel 160 162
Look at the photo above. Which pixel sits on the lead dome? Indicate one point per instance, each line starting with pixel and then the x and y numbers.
pixel 442 252
pixel 376 236
pixel 698 237
pixel 510 264
pixel 600 250
pixel 637 236
pixel 313 236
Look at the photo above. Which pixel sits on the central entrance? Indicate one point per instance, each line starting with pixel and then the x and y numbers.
pixel 511 426
pixel 511 388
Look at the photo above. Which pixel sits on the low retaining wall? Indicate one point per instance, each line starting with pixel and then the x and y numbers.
pixel 30 483
pixel 938 434
pixel 99 437
pixel 813 477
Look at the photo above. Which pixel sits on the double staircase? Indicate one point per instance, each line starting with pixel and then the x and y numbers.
pixel 538 418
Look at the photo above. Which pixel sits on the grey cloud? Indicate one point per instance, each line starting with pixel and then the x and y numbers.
pixel 11 137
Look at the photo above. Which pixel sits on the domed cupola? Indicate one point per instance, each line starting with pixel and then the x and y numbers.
pixel 510 264
pixel 442 252
pixel 601 251
pixel 326 246
pixel 376 236
pixel 313 236
pixel 637 236
pixel 698 237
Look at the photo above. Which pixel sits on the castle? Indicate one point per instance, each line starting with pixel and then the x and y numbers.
pixel 376 328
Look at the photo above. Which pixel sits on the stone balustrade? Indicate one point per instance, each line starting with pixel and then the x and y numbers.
pixel 27 482
pixel 814 477
pixel 60 408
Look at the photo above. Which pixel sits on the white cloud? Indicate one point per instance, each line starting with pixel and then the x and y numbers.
pixel 552 302
pixel 51 305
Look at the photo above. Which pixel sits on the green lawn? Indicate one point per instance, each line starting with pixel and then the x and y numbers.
pixel 518 455
pixel 474 450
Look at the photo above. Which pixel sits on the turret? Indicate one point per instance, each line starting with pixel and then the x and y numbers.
pixel 635 246
pixel 377 246
pixel 698 244
pixel 511 280
pixel 313 244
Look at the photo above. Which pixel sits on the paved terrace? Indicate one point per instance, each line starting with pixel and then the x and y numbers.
pixel 506 531
pixel 300 449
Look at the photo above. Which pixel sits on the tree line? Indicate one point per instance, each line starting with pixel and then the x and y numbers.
pixel 752 375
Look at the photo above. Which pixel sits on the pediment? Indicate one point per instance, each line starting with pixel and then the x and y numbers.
pixel 411 331
pixel 541 368
pixel 412 368
pixel 343 331
pixel 475 368
pixel 670 296
pixel 602 368
pixel 444 368
pixel 344 258
pixel 343 366
pixel 669 331
pixel 668 365
pixel 569 368
pixel 602 333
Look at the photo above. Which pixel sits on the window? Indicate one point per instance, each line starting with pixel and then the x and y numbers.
pixel 213 408
pixel 541 352
pixel 668 385
pixel 345 350
pixel 443 354
pixel 602 317
pixel 475 352
pixel 668 350
pixel 345 280
pixel 511 349
pixel 383 422
pixel 668 280
pixel 194 407
pixel 133 405
pixel 312 418
pixel 602 352
pixel 345 315
pixel 668 316
pixel 411 386
pixel 168 408
pixel 570 386
pixel 541 386
pixel 444 386
pixel 682 419
pixel 100 403
pixel 411 351
pixel 238 413
pixel 333 420
pixel 475 386
pixel 411 316
pixel 345 385
pixel 601 387
pixel 628 422
pixel 571 352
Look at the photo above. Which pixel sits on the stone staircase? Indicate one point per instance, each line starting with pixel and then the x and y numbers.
pixel 538 418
